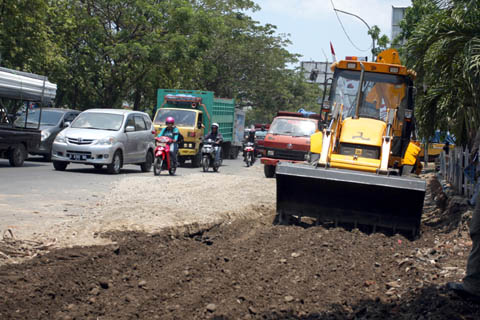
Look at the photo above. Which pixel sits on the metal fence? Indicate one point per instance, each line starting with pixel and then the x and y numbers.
pixel 456 168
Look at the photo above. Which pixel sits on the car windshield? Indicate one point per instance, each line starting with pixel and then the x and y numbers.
pixel 98 120
pixel 293 127
pixel 48 118
pixel 183 117
pixel 380 92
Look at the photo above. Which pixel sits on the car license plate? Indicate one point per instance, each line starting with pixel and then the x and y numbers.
pixel 77 157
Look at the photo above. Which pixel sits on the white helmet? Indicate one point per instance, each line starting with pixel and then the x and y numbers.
pixel 215 125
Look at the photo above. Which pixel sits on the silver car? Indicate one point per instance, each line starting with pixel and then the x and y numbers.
pixel 108 137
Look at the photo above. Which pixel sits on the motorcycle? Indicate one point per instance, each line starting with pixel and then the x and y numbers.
pixel 162 159
pixel 208 155
pixel 249 154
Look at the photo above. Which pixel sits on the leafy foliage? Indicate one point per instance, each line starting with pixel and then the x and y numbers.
pixel 104 52
pixel 443 46
pixel 381 41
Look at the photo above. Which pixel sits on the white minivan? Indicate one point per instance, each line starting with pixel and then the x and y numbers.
pixel 108 137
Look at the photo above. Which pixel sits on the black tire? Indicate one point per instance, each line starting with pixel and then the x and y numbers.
pixel 172 170
pixel 147 165
pixel 197 160
pixel 98 166
pixel 205 163
pixel 269 171
pixel 116 165
pixel 17 155
pixel 181 161
pixel 60 165
pixel 234 153
pixel 157 166
pixel 251 158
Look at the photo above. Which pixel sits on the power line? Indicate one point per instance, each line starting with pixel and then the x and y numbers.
pixel 345 31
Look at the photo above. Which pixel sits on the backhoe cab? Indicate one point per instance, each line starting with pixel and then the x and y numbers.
pixel 358 158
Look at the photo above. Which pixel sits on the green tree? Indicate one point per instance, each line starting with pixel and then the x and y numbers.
pixel 443 46
pixel 382 42
pixel 102 52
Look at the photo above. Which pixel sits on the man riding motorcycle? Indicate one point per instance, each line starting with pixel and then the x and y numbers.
pixel 218 138
pixel 172 132
pixel 249 138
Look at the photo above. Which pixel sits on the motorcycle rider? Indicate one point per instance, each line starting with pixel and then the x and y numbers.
pixel 250 138
pixel 172 132
pixel 218 138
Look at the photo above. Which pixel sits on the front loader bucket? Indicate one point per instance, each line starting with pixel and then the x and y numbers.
pixel 346 196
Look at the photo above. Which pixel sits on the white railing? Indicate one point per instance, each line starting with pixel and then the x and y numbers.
pixel 456 169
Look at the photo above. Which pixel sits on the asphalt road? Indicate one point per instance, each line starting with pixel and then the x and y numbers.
pixel 36 194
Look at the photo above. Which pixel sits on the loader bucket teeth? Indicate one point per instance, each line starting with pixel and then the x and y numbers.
pixel 353 197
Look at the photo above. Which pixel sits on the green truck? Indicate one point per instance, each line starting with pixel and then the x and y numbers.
pixel 194 112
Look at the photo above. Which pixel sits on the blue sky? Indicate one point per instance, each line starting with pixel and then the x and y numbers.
pixel 312 24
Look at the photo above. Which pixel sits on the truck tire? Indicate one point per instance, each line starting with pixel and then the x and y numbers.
pixel 60 165
pixel 269 171
pixel 234 152
pixel 17 155
pixel 197 160
pixel 181 161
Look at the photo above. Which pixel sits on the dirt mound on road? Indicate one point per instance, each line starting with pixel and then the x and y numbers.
pixel 151 204
pixel 244 269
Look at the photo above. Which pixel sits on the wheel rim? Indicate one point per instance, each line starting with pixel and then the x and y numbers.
pixel 116 163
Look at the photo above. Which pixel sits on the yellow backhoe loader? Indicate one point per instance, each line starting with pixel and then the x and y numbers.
pixel 357 171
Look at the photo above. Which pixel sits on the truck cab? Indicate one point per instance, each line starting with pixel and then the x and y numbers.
pixel 288 139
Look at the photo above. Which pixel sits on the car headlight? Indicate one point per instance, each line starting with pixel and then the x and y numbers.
pixel 106 141
pixel 45 135
pixel 60 138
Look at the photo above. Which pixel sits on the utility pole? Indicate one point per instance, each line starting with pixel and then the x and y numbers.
pixel 373 39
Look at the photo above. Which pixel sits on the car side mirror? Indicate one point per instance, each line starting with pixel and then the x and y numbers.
pixel 66 124
pixel 129 129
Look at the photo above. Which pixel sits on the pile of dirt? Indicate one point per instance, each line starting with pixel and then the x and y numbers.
pixel 445 212
pixel 248 268
pixel 245 269
pixel 152 204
